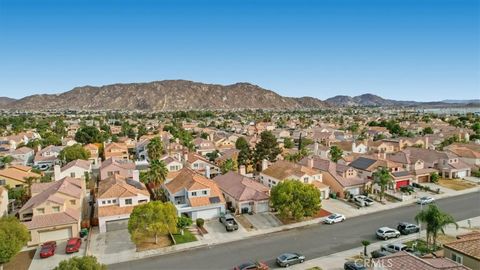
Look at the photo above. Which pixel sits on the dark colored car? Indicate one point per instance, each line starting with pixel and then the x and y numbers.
pixel 73 245
pixel 407 228
pixel 379 253
pixel 287 259
pixel 252 266
pixel 351 265
pixel 48 249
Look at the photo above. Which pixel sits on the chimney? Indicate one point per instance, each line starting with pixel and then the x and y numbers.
pixel 185 157
pixel 264 164
pixel 57 172
pixel 315 148
pixel 243 170
pixel 310 162
pixel 207 172
pixel 136 175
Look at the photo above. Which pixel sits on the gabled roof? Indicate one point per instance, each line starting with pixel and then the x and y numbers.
pixel 335 170
pixel 468 244
pixel 405 261
pixel 18 173
pixel 117 186
pixel 84 164
pixel 68 216
pixel 242 188
pixel 283 169
pixel 125 164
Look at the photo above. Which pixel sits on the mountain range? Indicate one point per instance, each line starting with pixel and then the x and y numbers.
pixel 174 95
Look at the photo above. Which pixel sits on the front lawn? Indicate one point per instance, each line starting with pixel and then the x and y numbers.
pixel 185 238
pixel 455 184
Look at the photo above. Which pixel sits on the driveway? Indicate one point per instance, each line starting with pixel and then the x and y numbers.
pixel 217 231
pixel 107 246
pixel 53 261
pixel 263 220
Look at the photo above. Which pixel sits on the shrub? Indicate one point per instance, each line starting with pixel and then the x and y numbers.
pixel 200 222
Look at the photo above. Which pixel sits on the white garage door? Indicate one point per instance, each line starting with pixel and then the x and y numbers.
pixel 262 207
pixel 115 225
pixel 462 174
pixel 55 235
pixel 354 191
pixel 208 214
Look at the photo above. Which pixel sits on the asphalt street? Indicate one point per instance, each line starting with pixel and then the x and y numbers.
pixel 312 241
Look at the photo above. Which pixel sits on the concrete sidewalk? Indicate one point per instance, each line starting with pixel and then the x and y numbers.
pixel 335 261
pixel 129 254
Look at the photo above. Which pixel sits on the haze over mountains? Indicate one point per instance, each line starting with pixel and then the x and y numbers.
pixel 171 95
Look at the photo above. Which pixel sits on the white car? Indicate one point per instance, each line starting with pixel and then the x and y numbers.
pixel 385 233
pixel 334 218
pixel 362 200
pixel 392 248
pixel 425 200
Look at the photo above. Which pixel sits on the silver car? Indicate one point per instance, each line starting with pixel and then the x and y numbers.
pixel 287 259
pixel 387 233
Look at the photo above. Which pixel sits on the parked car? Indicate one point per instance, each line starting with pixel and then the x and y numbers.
pixel 229 222
pixel 379 253
pixel 354 265
pixel 362 200
pixel 48 249
pixel 252 266
pixel 407 228
pixel 42 167
pixel 392 248
pixel 73 245
pixel 425 200
pixel 287 259
pixel 334 218
pixel 387 233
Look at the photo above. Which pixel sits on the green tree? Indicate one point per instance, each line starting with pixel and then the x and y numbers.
pixel 267 148
pixel 288 143
pixel 294 199
pixel 152 219
pixel 88 134
pixel 155 149
pixel 74 152
pixel 13 236
pixel 213 155
pixel 382 178
pixel 183 223
pixel 155 176
pixel 428 130
pixel 434 177
pixel 6 160
pixel 365 244
pixel 335 153
pixel 229 165
pixel 142 130
pixel 81 263
pixel 245 153
pixel 436 221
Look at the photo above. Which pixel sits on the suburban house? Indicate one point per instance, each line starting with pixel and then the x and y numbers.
pixel 341 179
pixel 115 150
pixel 47 156
pixel 94 154
pixel 3 201
pixel 283 170
pixel 116 198
pixel 54 211
pixel 15 175
pixel 448 164
pixel 114 166
pixel 403 260
pixel 203 146
pixel 465 250
pixel 367 166
pixel 75 169
pixel 195 196
pixel 467 152
pixel 242 193
pixel 22 156
pixel 201 165
pixel 416 168
pixel 352 147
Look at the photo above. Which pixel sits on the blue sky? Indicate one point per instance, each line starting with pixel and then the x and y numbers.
pixel 400 49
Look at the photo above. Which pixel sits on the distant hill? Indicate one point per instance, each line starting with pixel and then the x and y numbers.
pixel 4 101
pixel 377 101
pixel 461 101
pixel 169 95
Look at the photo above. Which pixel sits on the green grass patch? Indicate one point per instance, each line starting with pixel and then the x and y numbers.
pixel 185 238
pixel 421 245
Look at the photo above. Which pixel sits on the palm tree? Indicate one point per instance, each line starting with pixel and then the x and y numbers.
pixel 436 221
pixel 155 149
pixel 382 178
pixel 365 244
pixel 155 176
pixel 29 181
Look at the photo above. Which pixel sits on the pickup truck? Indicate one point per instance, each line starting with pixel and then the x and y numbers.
pixel 362 200
pixel 229 222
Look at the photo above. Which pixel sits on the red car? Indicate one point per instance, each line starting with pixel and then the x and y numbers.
pixel 73 245
pixel 252 266
pixel 48 249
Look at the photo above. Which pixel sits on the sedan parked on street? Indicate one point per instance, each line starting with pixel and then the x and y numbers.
pixel 387 233
pixel 48 249
pixel 407 228
pixel 354 265
pixel 287 259
pixel 425 200
pixel 73 245
pixel 334 218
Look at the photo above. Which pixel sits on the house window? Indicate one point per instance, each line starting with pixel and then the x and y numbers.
pixel 72 174
pixel 194 194
pixel 56 209
pixel 114 201
pixel 73 202
pixel 41 210
pixel 3 182
pixel 109 201
pixel 128 201
pixel 103 202
pixel 204 192
pixel 305 179
pixel 142 201
pixel 457 258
